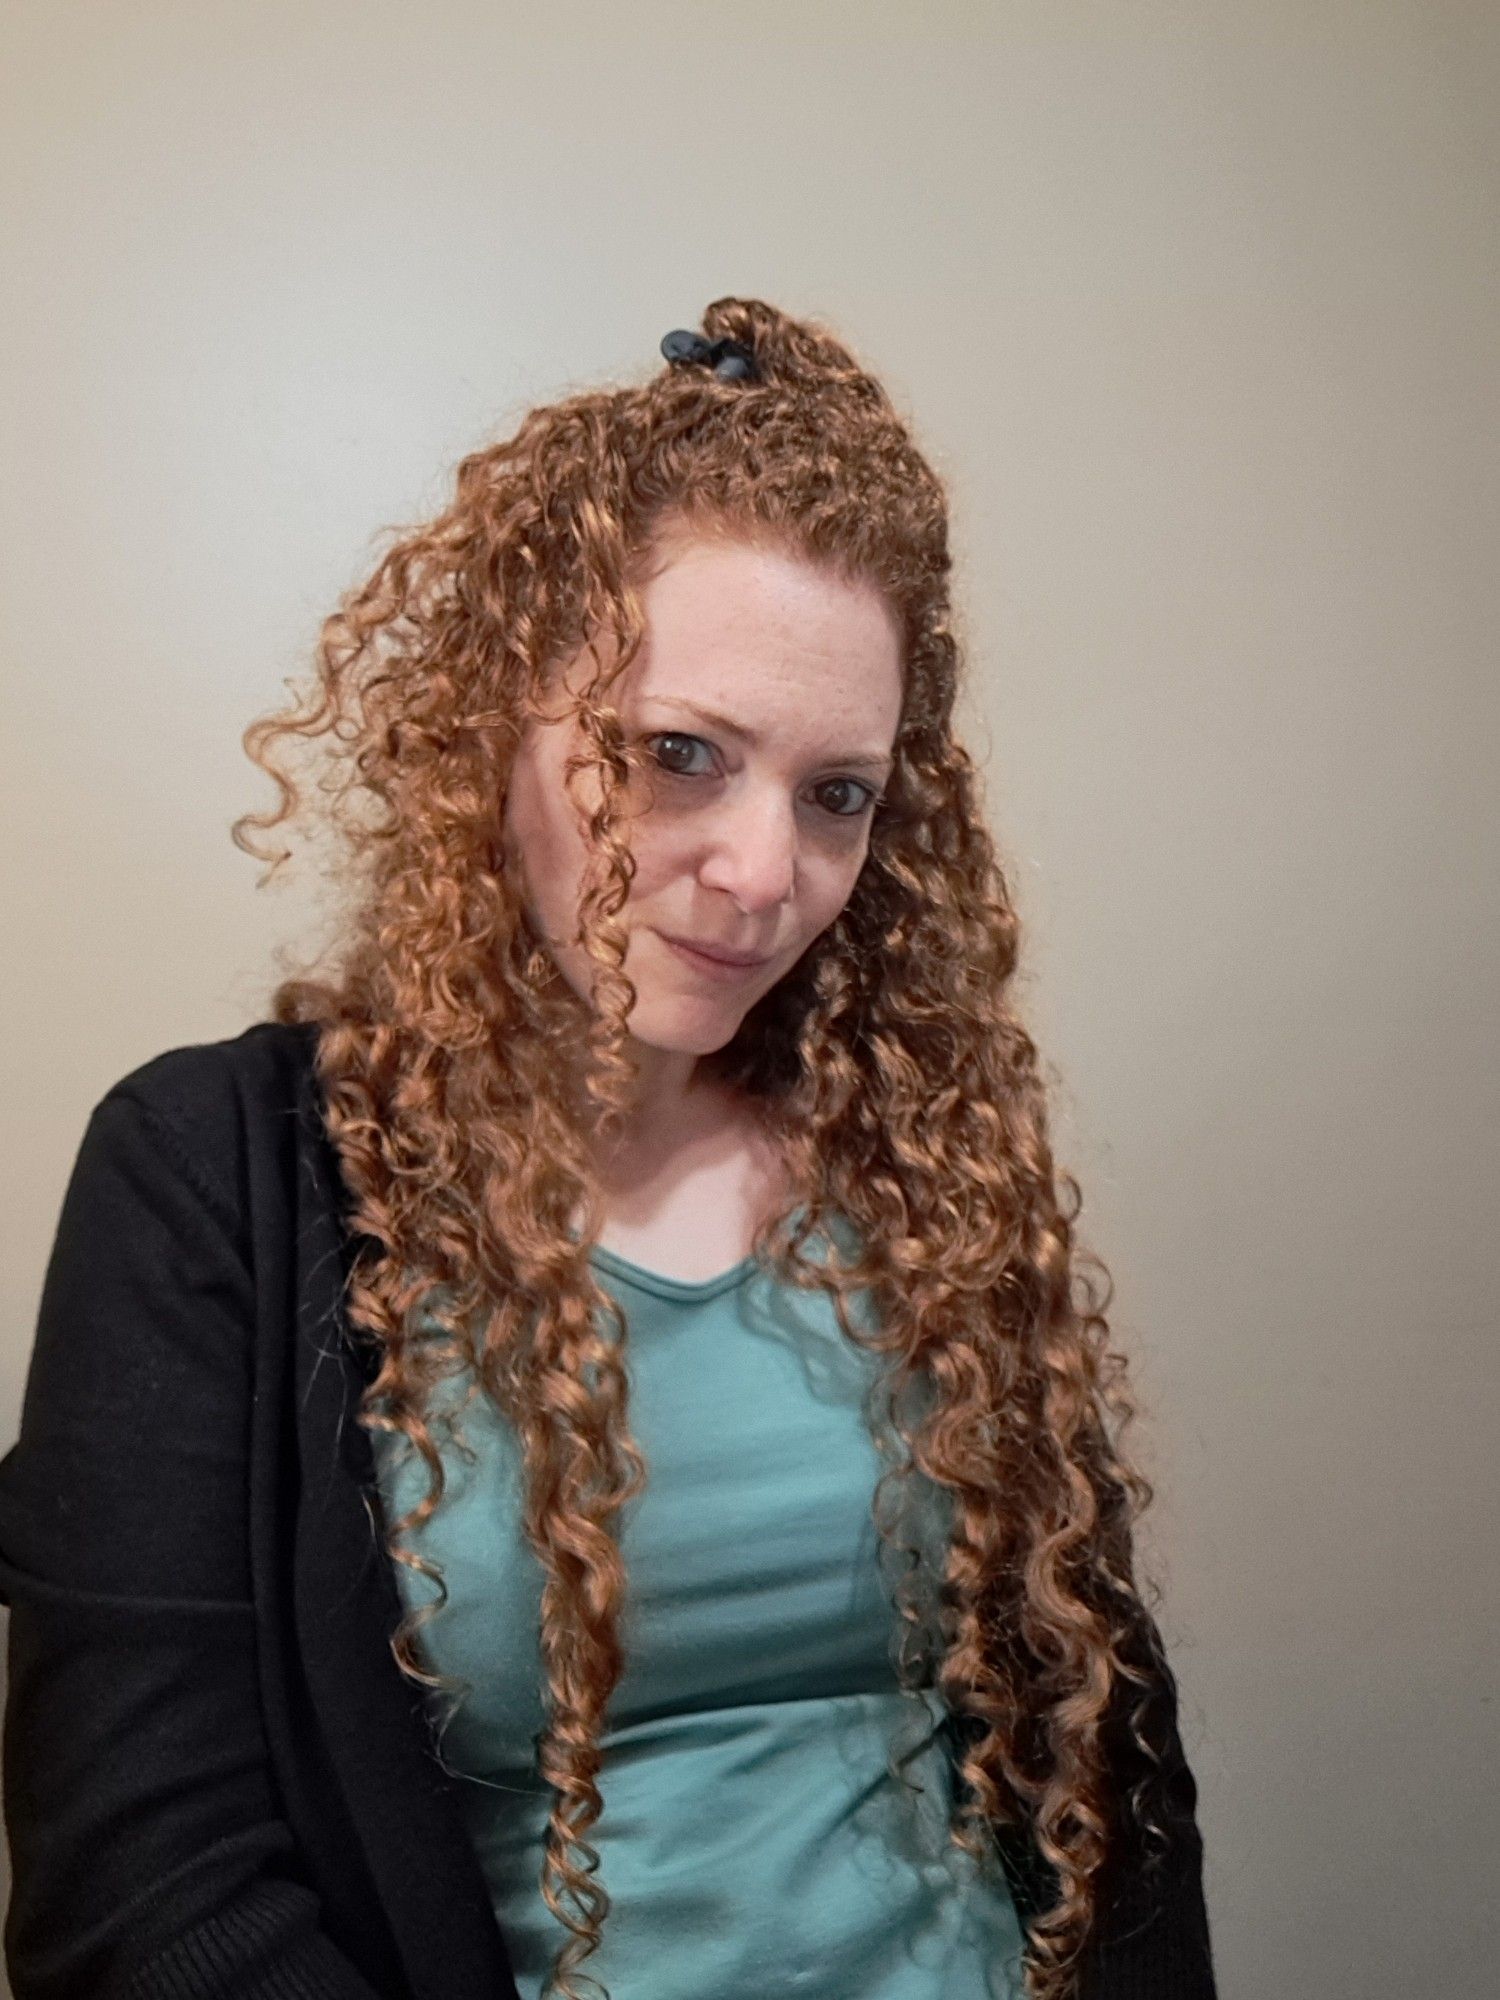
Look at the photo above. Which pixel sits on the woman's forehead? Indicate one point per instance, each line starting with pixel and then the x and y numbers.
pixel 753 631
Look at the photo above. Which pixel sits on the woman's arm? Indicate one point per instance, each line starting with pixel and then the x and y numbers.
pixel 1153 1938
pixel 149 1857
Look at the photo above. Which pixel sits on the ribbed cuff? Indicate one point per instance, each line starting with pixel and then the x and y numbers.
pixel 265 1946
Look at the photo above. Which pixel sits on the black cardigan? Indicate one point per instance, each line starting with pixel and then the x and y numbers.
pixel 216 1780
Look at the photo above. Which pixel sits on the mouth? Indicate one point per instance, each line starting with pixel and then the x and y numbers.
pixel 720 964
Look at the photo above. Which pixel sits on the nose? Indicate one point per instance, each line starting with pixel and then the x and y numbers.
pixel 752 852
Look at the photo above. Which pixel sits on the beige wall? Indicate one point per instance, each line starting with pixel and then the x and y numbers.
pixel 1196 307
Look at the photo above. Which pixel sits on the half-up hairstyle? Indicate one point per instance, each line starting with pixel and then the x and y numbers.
pixel 890 1065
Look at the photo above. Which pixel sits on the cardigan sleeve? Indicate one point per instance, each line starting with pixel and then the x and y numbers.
pixel 1153 1938
pixel 149 1858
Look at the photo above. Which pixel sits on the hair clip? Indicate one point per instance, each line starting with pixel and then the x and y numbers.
pixel 730 360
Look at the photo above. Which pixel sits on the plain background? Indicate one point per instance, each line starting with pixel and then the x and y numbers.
pixel 1195 308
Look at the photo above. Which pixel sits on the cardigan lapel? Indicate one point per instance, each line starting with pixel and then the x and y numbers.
pixel 373 1722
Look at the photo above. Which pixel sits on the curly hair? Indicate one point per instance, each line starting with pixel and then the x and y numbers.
pixel 890 1064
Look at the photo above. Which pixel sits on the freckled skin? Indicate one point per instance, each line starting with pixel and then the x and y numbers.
pixel 753 848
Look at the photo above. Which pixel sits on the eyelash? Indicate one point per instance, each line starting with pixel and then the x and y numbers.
pixel 872 797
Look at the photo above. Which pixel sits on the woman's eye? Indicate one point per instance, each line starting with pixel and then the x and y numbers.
pixel 674 736
pixel 863 797
pixel 859 796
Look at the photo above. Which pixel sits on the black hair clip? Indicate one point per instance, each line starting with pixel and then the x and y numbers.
pixel 730 360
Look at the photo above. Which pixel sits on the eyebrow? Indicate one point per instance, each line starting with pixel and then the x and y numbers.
pixel 867 760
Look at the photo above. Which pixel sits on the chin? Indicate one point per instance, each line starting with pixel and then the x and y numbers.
pixel 674 1032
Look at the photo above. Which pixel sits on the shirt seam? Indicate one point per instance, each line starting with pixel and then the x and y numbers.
pixel 174 1142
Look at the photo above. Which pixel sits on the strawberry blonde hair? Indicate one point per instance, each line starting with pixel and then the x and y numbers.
pixel 890 1064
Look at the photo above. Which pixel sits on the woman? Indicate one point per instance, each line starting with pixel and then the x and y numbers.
pixel 580 1456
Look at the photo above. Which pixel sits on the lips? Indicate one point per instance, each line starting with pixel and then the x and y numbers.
pixel 720 952
pixel 715 955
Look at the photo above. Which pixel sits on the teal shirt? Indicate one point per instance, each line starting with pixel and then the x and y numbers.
pixel 753 1840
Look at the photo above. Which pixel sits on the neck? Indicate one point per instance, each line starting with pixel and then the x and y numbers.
pixel 678 1098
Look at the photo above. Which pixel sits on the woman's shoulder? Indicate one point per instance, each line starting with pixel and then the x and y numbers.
pixel 267 1062
pixel 220 1101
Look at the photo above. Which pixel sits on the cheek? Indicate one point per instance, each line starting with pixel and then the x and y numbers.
pixel 837 885
pixel 664 856
pixel 541 840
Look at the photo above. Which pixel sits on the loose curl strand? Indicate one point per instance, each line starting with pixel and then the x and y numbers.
pixel 891 1068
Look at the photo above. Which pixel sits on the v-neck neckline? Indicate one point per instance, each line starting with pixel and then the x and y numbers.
pixel 686 1290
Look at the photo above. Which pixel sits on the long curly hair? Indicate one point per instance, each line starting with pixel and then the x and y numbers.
pixel 890 1066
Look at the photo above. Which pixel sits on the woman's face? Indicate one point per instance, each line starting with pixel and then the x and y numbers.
pixel 766 695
